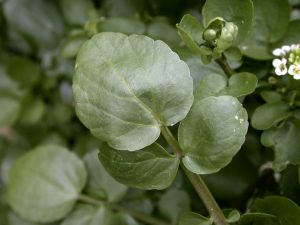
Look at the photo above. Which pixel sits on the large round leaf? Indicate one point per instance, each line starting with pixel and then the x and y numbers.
pixel 125 87
pixel 150 168
pixel 44 183
pixel 212 133
pixel 271 18
pixel 237 11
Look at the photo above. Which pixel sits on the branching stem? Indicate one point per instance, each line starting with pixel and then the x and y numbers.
pixel 199 185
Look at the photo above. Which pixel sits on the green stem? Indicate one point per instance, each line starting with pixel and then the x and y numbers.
pixel 199 185
pixel 222 61
pixel 140 216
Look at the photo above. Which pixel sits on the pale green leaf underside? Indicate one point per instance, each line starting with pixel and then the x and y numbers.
pixel 212 133
pixel 190 218
pixel 44 184
pixel 125 87
pixel 150 168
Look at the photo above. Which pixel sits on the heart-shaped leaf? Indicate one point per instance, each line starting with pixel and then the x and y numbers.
pixel 44 184
pixel 150 168
pixel 125 87
pixel 212 133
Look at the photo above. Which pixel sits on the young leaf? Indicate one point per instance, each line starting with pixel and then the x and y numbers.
pixel 212 133
pixel 125 87
pixel 232 215
pixel 286 211
pixel 150 168
pixel 237 11
pixel 88 215
pixel 190 30
pixel 269 114
pixel 271 18
pixel 285 141
pixel 190 218
pixel 173 203
pixel 100 183
pixel 44 184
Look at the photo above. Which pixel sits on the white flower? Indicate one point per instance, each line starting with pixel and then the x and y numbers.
pixel 286 49
pixel 280 66
pixel 278 52
pixel 295 47
pixel 294 70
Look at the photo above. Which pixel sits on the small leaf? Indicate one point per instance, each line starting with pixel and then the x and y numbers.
pixel 258 219
pixel 173 203
pixel 237 11
pixel 212 133
pixel 88 215
pixel 271 18
pixel 286 211
pixel 285 141
pixel 125 87
pixel 10 110
pixel 190 218
pixel 232 215
pixel 190 30
pixel 270 114
pixel 100 183
pixel 58 177
pixel 241 84
pixel 271 96
pixel 149 168
pixel 71 45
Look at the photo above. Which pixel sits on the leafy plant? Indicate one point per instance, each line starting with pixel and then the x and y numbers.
pixel 149 112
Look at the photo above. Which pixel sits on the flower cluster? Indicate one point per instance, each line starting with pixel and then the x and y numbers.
pixel 289 62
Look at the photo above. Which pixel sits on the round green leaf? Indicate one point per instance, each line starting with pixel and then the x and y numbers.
pixel 258 219
pixel 285 141
pixel 292 35
pixel 190 218
pixel 241 84
pixel 173 203
pixel 44 184
pixel 125 87
pixel 10 110
pixel 88 215
pixel 271 18
pixel 212 133
pixel 269 114
pixel 237 11
pixel 100 183
pixel 150 168
pixel 286 211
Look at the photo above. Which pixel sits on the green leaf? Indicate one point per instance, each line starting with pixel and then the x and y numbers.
pixel 100 183
pixel 32 112
pixel 24 71
pixel 125 87
pixel 292 35
pixel 150 168
pixel 77 12
pixel 212 133
pixel 285 141
pixel 190 218
pixel 286 211
pixel 36 20
pixel 190 30
pixel 71 45
pixel 173 203
pixel 258 219
pixel 10 110
pixel 271 18
pixel 88 215
pixel 123 219
pixel 241 84
pixel 232 215
pixel 123 25
pixel 270 114
pixel 236 11
pixel 271 96
pixel 58 177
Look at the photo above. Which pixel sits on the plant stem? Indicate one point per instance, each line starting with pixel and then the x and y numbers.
pixel 222 61
pixel 140 216
pixel 199 185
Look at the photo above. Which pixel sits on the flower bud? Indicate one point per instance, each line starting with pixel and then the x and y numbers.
pixel 210 35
